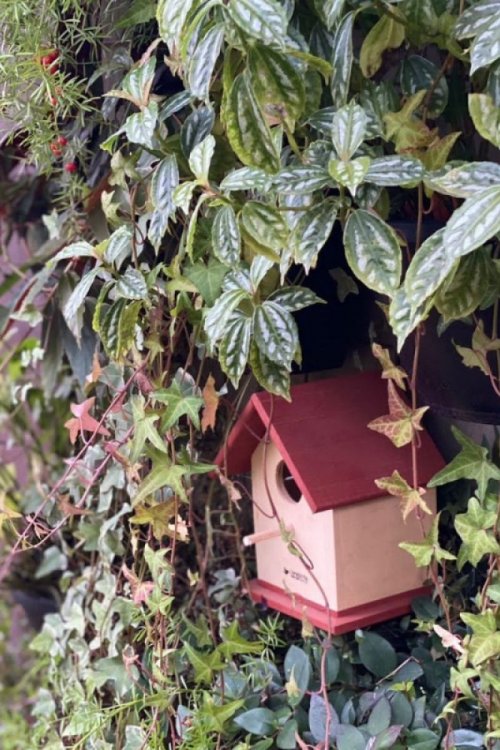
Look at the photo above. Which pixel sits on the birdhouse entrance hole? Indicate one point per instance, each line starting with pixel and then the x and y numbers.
pixel 287 483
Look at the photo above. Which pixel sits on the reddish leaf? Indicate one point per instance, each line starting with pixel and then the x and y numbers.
pixel 83 421
pixel 211 399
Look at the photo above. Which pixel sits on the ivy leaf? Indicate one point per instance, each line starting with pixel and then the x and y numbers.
pixel 402 422
pixel 471 463
pixel 348 130
pixel 411 499
pixel 158 516
pixel 486 117
pixel 247 130
pixel 211 404
pixel 235 346
pixel 234 644
pixel 140 127
pixel 425 552
pixel 350 173
pixel 405 129
pixel 201 157
pixel 162 475
pixel 265 20
pixel 204 665
pixel 275 333
pixel 476 529
pixel 373 252
pixel 387 33
pixel 144 429
pixel 419 74
pixel 388 171
pixel 477 356
pixel 207 278
pixel 390 371
pixel 226 239
pixel 342 60
pixel 179 404
pixel 82 421
pixel 271 376
pixel 202 61
pixel 277 84
pixel 311 233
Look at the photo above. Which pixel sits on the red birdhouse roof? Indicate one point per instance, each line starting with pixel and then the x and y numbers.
pixel 324 440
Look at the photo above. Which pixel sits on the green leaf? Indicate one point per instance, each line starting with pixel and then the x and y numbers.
pixel 179 404
pixel 387 738
pixel 265 20
pixel 298 671
pixel 486 117
pixel 195 128
pixel 202 61
pixel 380 716
pixel 263 229
pixel 376 654
pixel 465 180
pixel 258 721
pixel 465 290
pixel 319 713
pixel 387 33
pixel 234 644
pixel 137 84
pixel 373 252
pixel 247 130
pixel 207 278
pixel 235 346
pixel 144 429
pixel 348 130
pixel 480 16
pixel 162 475
pixel 350 173
pixel 485 48
pixel 389 171
pixel 275 333
pixel 311 233
pixel 429 267
pixel 171 16
pixel 342 60
pixel 286 736
pixel 140 127
pixel 423 739
pixel 201 157
pixel 218 316
pixel 350 738
pixel 425 552
pixel 330 10
pixel 474 223
pixel 141 11
pixel 204 665
pixel 419 74
pixel 301 179
pixel 277 84
pixel 274 378
pixel 345 283
pixel 226 240
pixel 476 529
pixel 164 181
pixel 246 178
pixel 132 285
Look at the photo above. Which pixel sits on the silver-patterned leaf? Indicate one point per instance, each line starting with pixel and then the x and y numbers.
pixel 419 74
pixel 196 127
pixel 163 183
pixel 226 240
pixel 331 10
pixel 388 171
pixel 264 20
pixel 275 333
pixel 174 104
pixel 140 127
pixel 311 232
pixel 202 61
pixel 486 117
pixel 467 288
pixel 201 157
pixel 246 178
pixel 403 318
pixel 477 18
pixel 235 346
pixel 183 195
pixel 119 246
pixel 377 100
pixel 342 61
pixel 350 173
pixel 322 120
pixel 260 266
pixel 301 179
pixel 171 16
pixel 367 195
pixel 263 228
pixel 217 317
pixel 294 298
pixel 485 48
pixel 429 267
pixel 138 82
pixel 465 180
pixel 474 223
pixel 493 83
pixel 74 305
pixel 348 130
pixel 132 285
pixel 271 376
pixel 373 252
pixel 278 85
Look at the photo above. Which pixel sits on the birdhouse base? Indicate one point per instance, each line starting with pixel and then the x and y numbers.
pixel 329 620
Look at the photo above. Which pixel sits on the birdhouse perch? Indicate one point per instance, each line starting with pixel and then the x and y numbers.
pixel 313 464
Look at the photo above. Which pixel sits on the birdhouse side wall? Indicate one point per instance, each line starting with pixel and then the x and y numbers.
pixel 369 562
pixel 313 533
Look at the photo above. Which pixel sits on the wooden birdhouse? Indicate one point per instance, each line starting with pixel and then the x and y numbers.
pixel 313 464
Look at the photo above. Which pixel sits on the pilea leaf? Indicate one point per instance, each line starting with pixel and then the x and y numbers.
pixel 373 252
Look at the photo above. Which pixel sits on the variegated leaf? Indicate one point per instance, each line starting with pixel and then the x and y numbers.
pixel 294 298
pixel 264 20
pixel 342 61
pixel 137 84
pixel 486 117
pixel 390 371
pixel 217 317
pixel 389 171
pixel 202 61
pixel 474 223
pixel 140 127
pixel 480 16
pixel 264 229
pixel 402 422
pixel 311 232
pixel 246 178
pixel 465 180
pixel 235 346
pixel 373 252
pixel 271 376
pixel 119 246
pixel 493 83
pixel 348 130
pixel 132 285
pixel 74 305
pixel 468 287
pixel 183 195
pixel 226 240
pixel 428 269
pixel 330 11
pixel 403 318
pixel 258 270
pixel 301 179
pixel 118 327
pixel 196 127
pixel 387 33
pixel 275 333
pixel 486 48
pixel 377 100
pixel 277 84
pixel 350 173
pixel 419 74
pixel 248 132
pixel 164 181
pixel 367 195
pixel 411 498
pixel 201 157
pixel 171 16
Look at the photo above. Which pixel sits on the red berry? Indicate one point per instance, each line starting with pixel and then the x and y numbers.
pixel 52 100
pixel 54 147
pixel 62 141
pixel 70 167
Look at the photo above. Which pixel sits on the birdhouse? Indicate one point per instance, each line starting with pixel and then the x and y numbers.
pixel 313 465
